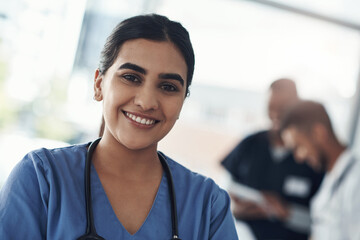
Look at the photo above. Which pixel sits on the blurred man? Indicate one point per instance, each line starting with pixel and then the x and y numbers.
pixel 261 162
pixel 335 209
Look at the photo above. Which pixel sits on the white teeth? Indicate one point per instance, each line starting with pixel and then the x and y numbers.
pixel 140 120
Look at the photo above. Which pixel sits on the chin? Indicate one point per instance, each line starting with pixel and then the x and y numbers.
pixel 138 145
pixel 319 166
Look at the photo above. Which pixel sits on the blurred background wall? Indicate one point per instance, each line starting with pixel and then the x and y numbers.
pixel 49 51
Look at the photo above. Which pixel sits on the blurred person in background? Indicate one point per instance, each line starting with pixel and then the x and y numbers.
pixel 335 209
pixel 262 162
pixel 145 71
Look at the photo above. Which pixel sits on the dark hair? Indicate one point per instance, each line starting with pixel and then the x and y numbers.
pixel 152 27
pixel 284 85
pixel 304 114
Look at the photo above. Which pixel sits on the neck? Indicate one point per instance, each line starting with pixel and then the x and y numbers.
pixel 114 158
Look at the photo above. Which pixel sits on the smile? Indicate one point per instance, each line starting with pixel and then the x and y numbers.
pixel 140 120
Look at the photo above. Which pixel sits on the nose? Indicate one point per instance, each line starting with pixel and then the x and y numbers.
pixel 146 98
pixel 300 154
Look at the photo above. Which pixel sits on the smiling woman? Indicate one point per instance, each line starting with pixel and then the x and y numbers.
pixel 146 81
pixel 145 72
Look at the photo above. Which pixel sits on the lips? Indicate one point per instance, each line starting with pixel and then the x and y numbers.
pixel 140 119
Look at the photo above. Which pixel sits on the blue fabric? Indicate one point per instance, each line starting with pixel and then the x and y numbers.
pixel 44 198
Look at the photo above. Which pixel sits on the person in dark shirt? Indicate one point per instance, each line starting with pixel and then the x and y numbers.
pixel 261 161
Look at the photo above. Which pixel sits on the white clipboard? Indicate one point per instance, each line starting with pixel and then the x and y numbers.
pixel 299 218
pixel 246 193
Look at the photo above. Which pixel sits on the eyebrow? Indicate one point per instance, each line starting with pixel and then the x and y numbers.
pixel 133 67
pixel 137 68
pixel 173 76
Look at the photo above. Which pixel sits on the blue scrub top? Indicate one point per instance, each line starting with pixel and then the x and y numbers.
pixel 44 198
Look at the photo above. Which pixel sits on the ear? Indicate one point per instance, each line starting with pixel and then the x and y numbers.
pixel 98 85
pixel 320 133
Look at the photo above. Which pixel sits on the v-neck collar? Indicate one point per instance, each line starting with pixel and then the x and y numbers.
pixel 100 200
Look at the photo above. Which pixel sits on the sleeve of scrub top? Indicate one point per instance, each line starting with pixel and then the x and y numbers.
pixel 22 204
pixel 222 224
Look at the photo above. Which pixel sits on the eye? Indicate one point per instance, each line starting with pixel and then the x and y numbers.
pixel 131 78
pixel 168 87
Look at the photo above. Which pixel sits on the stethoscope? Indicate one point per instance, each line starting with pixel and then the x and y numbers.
pixel 90 227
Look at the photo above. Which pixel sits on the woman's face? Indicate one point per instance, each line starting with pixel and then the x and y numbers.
pixel 142 92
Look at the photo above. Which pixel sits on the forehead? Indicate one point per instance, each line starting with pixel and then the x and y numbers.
pixel 159 56
pixel 280 96
pixel 293 136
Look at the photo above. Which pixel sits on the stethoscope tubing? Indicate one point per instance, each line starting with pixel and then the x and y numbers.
pixel 172 197
pixel 90 227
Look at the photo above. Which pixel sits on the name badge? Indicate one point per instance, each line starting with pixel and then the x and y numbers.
pixel 297 186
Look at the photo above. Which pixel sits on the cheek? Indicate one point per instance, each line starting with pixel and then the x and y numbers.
pixel 172 109
pixel 112 103
pixel 313 156
pixel 302 153
pixel 117 94
pixel 312 149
